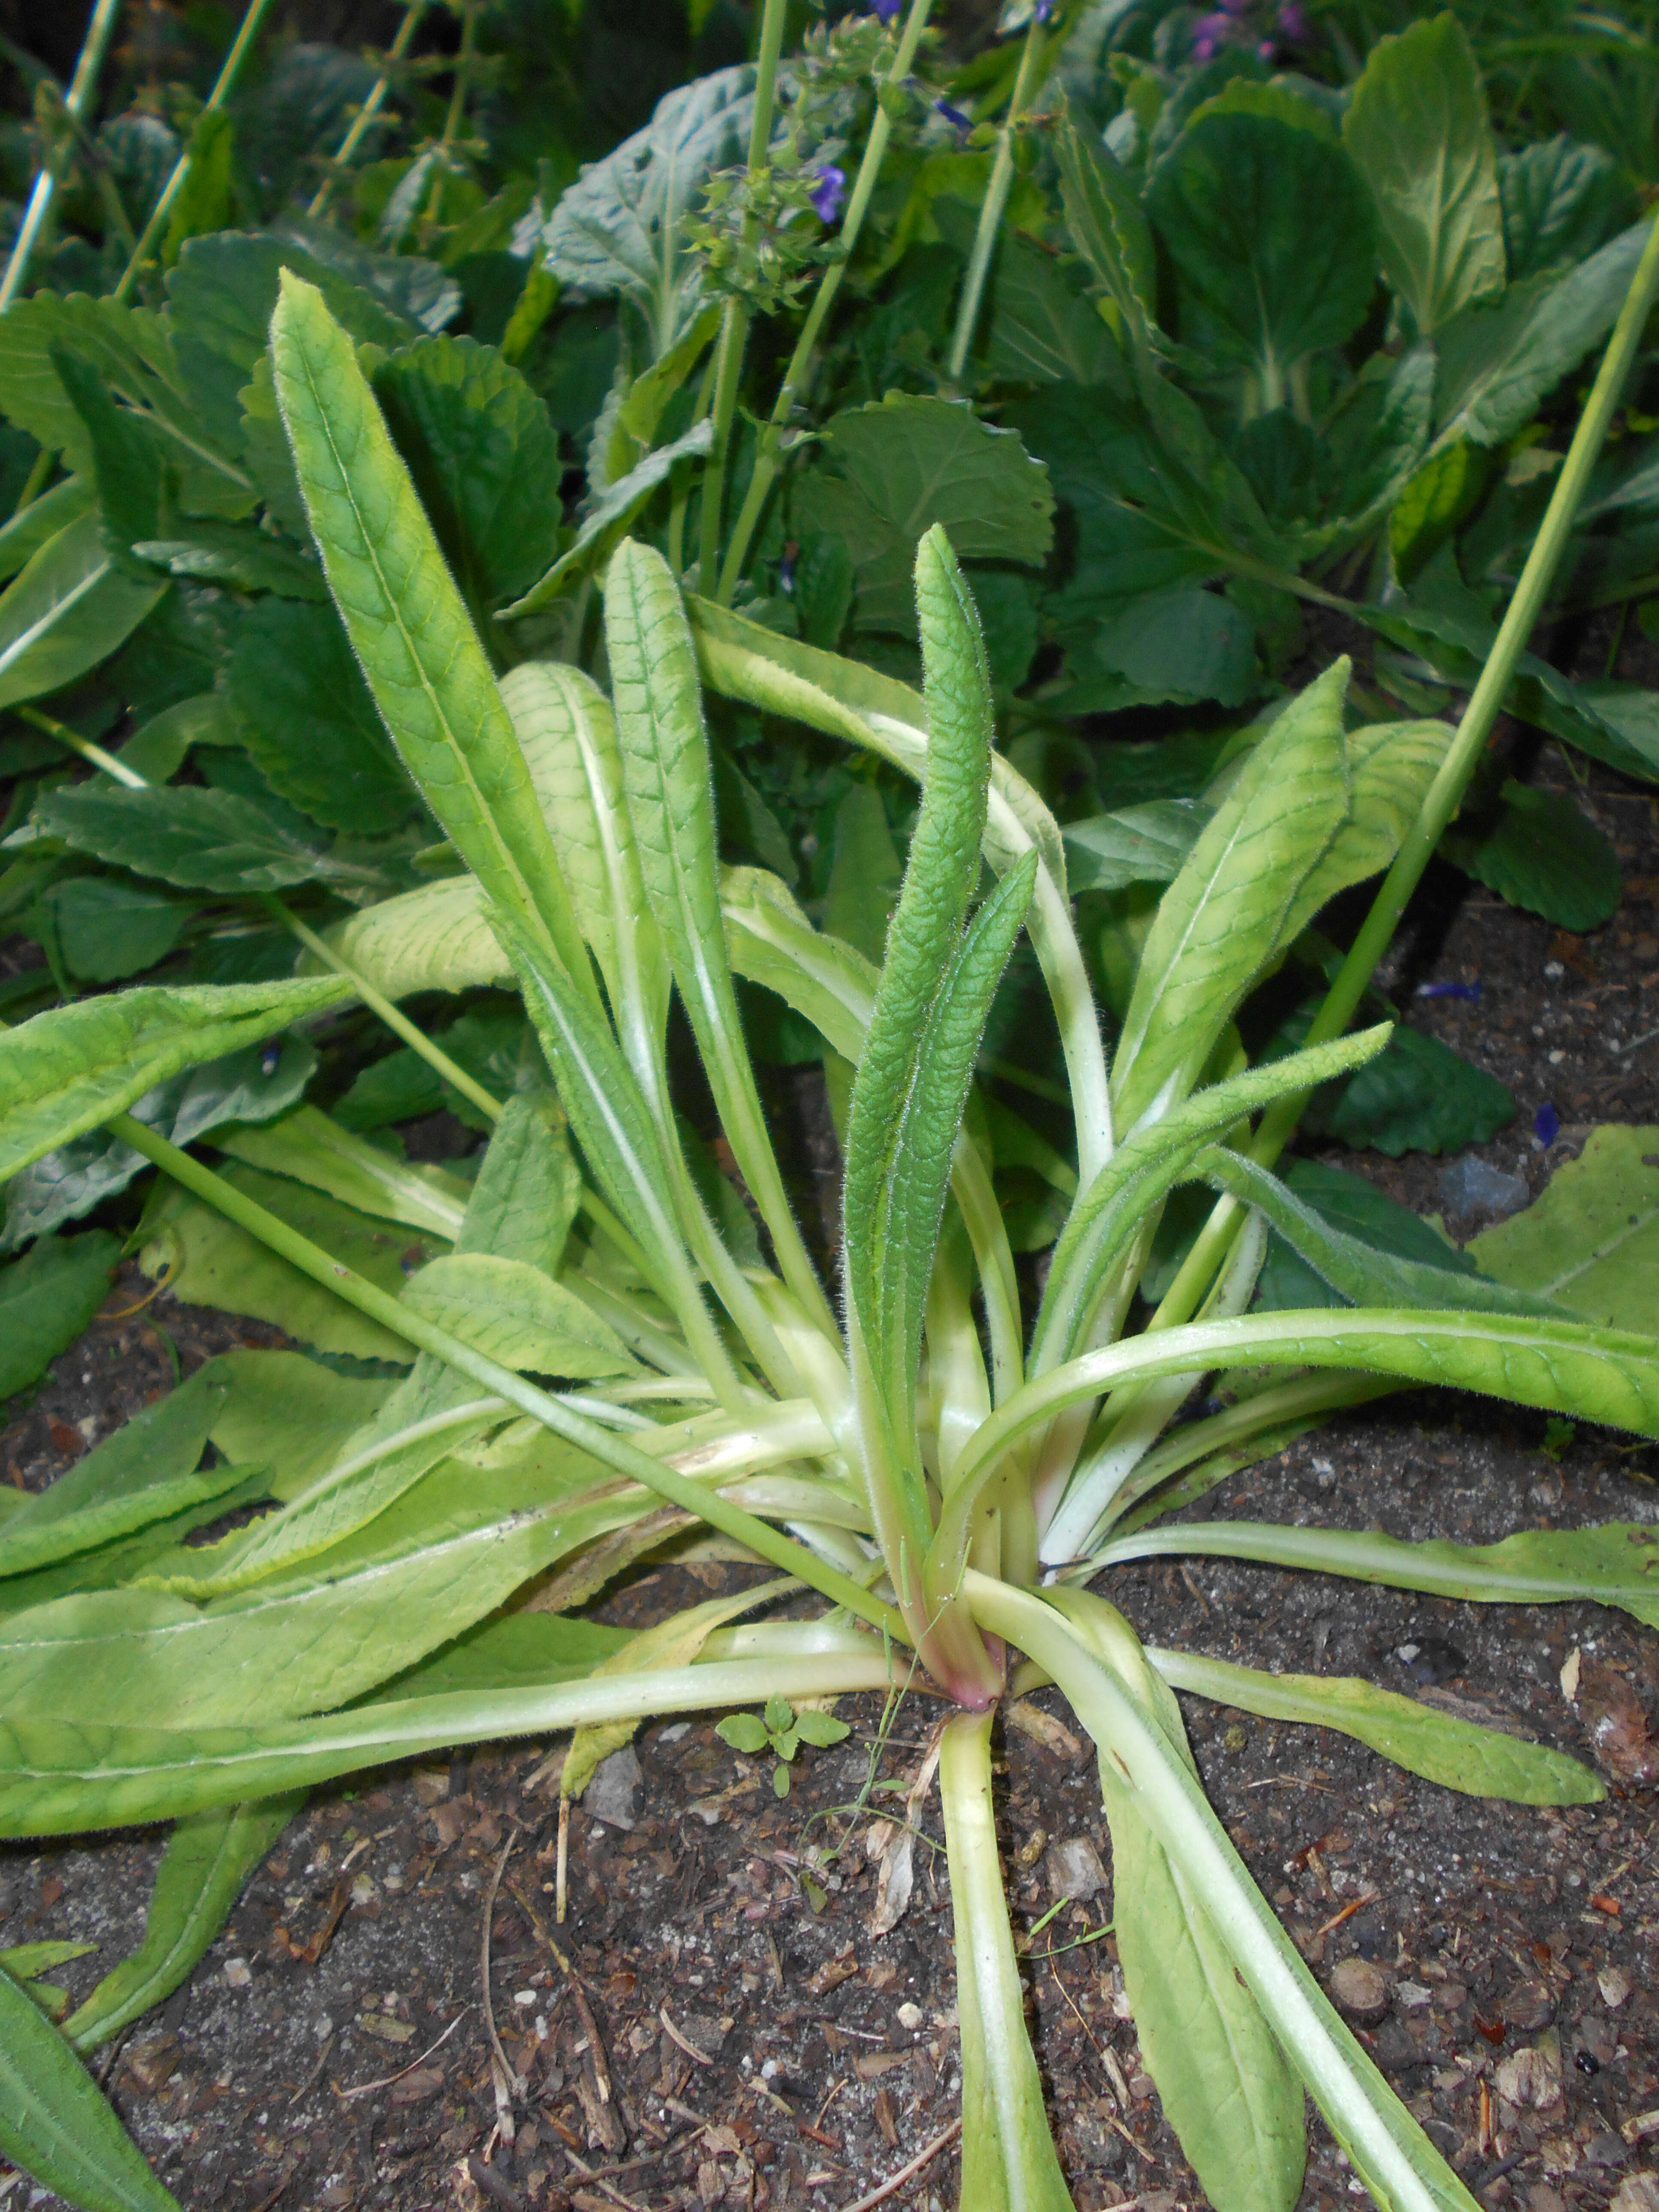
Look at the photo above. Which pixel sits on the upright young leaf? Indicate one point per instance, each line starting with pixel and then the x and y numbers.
pixel 569 734
pixel 931 1004
pixel 1219 921
pixel 1417 127
pixel 54 2122
pixel 408 627
pixel 1107 223
pixel 667 777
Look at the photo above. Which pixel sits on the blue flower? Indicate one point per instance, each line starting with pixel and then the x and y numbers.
pixel 829 193
pixel 1546 1125
pixel 883 10
pixel 961 123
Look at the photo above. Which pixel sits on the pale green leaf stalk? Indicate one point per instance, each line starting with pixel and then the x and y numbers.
pixel 1008 2160
pixel 409 626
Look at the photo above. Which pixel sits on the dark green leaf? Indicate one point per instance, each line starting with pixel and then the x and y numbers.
pixel 250 1086
pixel 308 720
pixel 221 293
pixel 1360 1209
pixel 619 230
pixel 127 458
pixel 1180 645
pixel 1272 239
pixel 212 841
pixel 1562 200
pixel 70 609
pixel 105 928
pixel 1418 1096
pixel 485 460
pixel 1538 851
pixel 906 463
pixel 1107 223
pixel 1042 330
pixel 206 200
pixel 46 1298
pixel 1417 127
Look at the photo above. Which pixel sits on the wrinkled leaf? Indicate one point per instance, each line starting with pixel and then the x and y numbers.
pixel 46 1298
pixel 1417 125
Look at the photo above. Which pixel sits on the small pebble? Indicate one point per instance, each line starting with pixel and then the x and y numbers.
pixel 238 1973
pixel 1360 1989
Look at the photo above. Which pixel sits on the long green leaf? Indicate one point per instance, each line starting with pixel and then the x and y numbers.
pixel 68 1776
pixel 54 2122
pixel 313 1149
pixel 1230 2097
pixel 1565 1367
pixel 1616 1564
pixel 666 776
pixel 1457 1754
pixel 1219 921
pixel 146 1471
pixel 207 1860
pixel 1390 2153
pixel 1364 1273
pixel 70 1069
pixel 409 626
pixel 1149 1162
pixel 446 1555
pixel 847 700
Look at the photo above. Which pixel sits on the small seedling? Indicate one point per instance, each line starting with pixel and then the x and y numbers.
pixel 781 1728
pixel 1559 1437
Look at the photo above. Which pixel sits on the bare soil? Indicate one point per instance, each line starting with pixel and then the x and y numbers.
pixel 715 2024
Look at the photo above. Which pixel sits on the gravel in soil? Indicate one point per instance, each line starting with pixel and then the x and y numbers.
pixel 714 2022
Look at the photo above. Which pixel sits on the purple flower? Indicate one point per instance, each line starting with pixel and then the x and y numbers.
pixel 829 193
pixel 1293 21
pixel 883 10
pixel 1210 30
pixel 1266 50
pixel 1546 1125
pixel 961 123
pixel 1236 7
pixel 1468 991
pixel 1203 48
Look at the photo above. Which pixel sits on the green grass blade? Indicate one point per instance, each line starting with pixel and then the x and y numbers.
pixel 408 625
